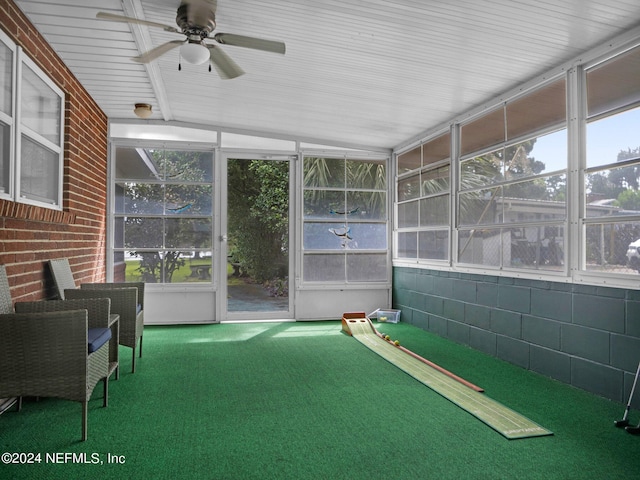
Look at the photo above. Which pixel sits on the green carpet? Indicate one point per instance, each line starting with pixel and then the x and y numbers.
pixel 304 401
pixel 502 419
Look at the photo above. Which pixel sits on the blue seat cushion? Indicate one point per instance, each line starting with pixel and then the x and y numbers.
pixel 97 337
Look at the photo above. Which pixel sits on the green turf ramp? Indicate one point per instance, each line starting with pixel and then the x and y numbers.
pixel 502 419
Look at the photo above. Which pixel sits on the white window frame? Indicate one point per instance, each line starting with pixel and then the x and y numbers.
pixel 10 119
pixel 20 61
pixel 21 130
pixel 582 273
pixel 303 251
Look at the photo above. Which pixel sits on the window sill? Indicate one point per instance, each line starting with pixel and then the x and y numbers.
pixel 23 211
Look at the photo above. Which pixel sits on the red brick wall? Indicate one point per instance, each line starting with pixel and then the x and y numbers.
pixel 29 236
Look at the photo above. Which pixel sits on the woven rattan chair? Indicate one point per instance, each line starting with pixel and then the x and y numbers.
pixel 99 316
pixel 6 306
pixel 128 304
pixel 49 354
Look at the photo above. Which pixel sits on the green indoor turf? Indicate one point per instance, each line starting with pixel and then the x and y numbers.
pixel 305 401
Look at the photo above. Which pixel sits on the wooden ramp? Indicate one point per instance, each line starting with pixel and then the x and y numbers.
pixel 505 421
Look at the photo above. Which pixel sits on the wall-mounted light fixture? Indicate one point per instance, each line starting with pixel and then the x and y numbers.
pixel 142 110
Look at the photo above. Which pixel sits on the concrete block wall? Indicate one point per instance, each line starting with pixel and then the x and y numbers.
pixel 585 336
pixel 31 235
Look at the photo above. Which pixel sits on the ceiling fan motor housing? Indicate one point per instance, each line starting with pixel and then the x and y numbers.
pixel 192 28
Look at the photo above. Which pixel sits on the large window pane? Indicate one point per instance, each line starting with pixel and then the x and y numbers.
pixel 324 172
pixel 39 172
pixel 186 166
pixel 525 159
pixel 368 236
pixel 325 204
pixel 435 181
pixel 366 267
pixel 408 214
pixel 345 209
pixel 538 155
pixel 187 233
pixel 433 245
pixel 140 198
pixel 614 138
pixel 41 106
pixel 536 247
pixel 481 206
pixel 482 247
pixel 614 84
pixel 410 160
pixel 366 206
pixel 613 247
pixel 434 211
pixel 551 151
pixel 162 266
pixel 326 236
pixel 436 150
pixel 615 191
pixel 5 157
pixel 6 79
pixel 141 232
pixel 482 133
pixel 482 170
pixel 324 268
pixel 539 247
pixel 136 163
pixel 164 221
pixel 188 199
pixel 409 188
pixel 407 244
pixel 539 199
pixel 340 236
pixel 537 110
pixel 368 174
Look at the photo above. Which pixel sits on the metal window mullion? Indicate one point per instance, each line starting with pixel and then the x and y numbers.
pixel 575 243
pixel 454 189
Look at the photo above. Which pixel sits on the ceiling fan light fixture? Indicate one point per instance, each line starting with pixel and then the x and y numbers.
pixel 142 110
pixel 194 53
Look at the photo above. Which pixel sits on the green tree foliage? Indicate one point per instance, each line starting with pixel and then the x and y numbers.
pixel 258 212
pixel 629 200
pixel 626 177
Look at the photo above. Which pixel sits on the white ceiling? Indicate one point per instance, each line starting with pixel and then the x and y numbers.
pixel 372 73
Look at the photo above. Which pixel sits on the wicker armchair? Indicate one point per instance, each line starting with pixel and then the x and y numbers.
pixel 99 316
pixel 52 354
pixel 6 306
pixel 125 303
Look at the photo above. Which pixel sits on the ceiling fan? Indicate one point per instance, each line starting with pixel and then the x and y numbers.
pixel 196 20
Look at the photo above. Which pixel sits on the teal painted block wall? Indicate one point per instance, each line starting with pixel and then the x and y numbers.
pixel 585 336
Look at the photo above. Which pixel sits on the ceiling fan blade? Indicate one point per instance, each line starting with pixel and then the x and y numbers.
pixel 121 18
pixel 159 50
pixel 224 64
pixel 250 42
